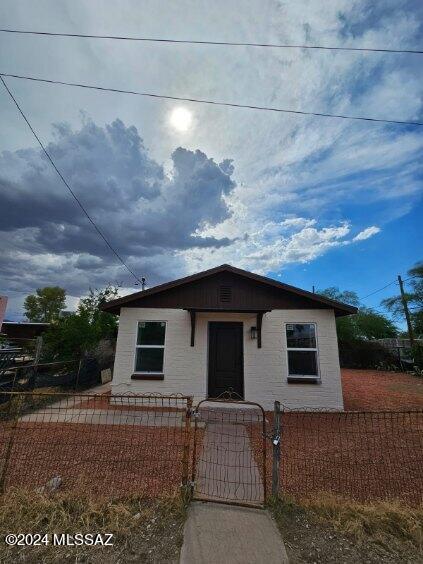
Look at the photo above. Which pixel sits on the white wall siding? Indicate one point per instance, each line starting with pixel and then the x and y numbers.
pixel 265 369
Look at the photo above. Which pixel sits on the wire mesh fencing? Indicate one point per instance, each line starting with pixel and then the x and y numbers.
pixel 225 467
pixel 360 455
pixel 100 444
pixel 150 445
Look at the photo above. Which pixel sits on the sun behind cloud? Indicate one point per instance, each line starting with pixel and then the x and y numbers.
pixel 181 118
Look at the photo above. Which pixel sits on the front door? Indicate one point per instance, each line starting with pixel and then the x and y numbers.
pixel 225 358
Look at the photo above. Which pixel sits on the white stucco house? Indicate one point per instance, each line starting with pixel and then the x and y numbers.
pixel 226 328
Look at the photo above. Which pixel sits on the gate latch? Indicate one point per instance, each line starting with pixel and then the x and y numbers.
pixel 276 439
pixel 192 412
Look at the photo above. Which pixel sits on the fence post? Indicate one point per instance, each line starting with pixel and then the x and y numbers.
pixel 77 374
pixel 276 443
pixel 15 407
pixel 37 356
pixel 185 455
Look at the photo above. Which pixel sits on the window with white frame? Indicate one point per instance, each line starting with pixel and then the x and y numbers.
pixel 149 354
pixel 301 345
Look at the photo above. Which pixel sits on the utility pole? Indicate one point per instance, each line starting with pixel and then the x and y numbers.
pixel 406 312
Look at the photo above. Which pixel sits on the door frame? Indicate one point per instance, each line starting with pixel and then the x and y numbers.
pixel 239 323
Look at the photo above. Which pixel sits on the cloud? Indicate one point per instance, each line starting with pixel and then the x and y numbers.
pixel 146 213
pixel 297 186
pixel 125 190
pixel 270 246
pixel 367 233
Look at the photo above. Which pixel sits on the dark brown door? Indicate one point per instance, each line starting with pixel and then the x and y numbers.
pixel 225 358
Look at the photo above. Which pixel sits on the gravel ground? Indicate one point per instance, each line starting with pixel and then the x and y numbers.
pixel 374 390
pixel 119 459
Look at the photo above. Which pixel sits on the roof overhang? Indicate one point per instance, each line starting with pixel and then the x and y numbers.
pixel 225 310
pixel 339 308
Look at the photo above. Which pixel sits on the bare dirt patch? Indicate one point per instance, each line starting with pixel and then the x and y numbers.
pixel 374 390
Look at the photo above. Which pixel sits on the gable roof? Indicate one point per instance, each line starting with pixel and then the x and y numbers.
pixel 114 305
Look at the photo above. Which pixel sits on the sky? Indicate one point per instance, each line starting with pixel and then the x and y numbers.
pixel 178 187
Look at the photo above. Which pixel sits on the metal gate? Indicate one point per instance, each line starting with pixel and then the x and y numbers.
pixel 229 453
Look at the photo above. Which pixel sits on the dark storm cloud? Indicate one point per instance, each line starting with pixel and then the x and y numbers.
pixel 142 210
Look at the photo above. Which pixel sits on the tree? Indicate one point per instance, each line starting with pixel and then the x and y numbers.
pixel 46 304
pixel 414 300
pixel 80 332
pixel 346 297
pixel 367 324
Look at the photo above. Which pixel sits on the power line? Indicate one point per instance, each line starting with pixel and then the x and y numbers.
pixel 75 197
pixel 379 290
pixel 209 102
pixel 215 43
pixel 387 286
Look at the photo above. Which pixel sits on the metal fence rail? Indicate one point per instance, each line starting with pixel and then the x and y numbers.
pixel 125 444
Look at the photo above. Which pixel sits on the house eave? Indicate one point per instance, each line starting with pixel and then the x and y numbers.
pixel 340 309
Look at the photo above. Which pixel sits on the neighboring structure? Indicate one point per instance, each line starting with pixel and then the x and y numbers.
pixel 3 305
pixel 228 328
pixel 23 329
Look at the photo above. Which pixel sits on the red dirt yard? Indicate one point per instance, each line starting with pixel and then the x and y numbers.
pixel 376 390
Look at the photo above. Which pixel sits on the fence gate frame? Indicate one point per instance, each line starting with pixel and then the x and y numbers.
pixel 231 397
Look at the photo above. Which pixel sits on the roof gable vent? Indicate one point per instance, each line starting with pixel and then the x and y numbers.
pixel 225 293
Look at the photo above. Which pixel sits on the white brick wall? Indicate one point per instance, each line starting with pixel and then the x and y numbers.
pixel 265 369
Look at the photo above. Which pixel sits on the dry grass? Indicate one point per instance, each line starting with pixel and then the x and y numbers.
pixel 379 520
pixel 382 528
pixel 144 531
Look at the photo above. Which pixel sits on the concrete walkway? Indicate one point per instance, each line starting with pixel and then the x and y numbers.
pixel 69 410
pixel 70 414
pixel 224 534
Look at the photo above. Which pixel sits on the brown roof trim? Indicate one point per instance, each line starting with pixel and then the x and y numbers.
pixel 226 310
pixel 119 302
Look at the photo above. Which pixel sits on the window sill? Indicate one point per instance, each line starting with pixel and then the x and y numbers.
pixel 303 380
pixel 138 376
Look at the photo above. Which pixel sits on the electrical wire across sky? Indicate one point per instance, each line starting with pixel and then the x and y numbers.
pixel 75 197
pixel 211 43
pixel 238 105
pixel 209 102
